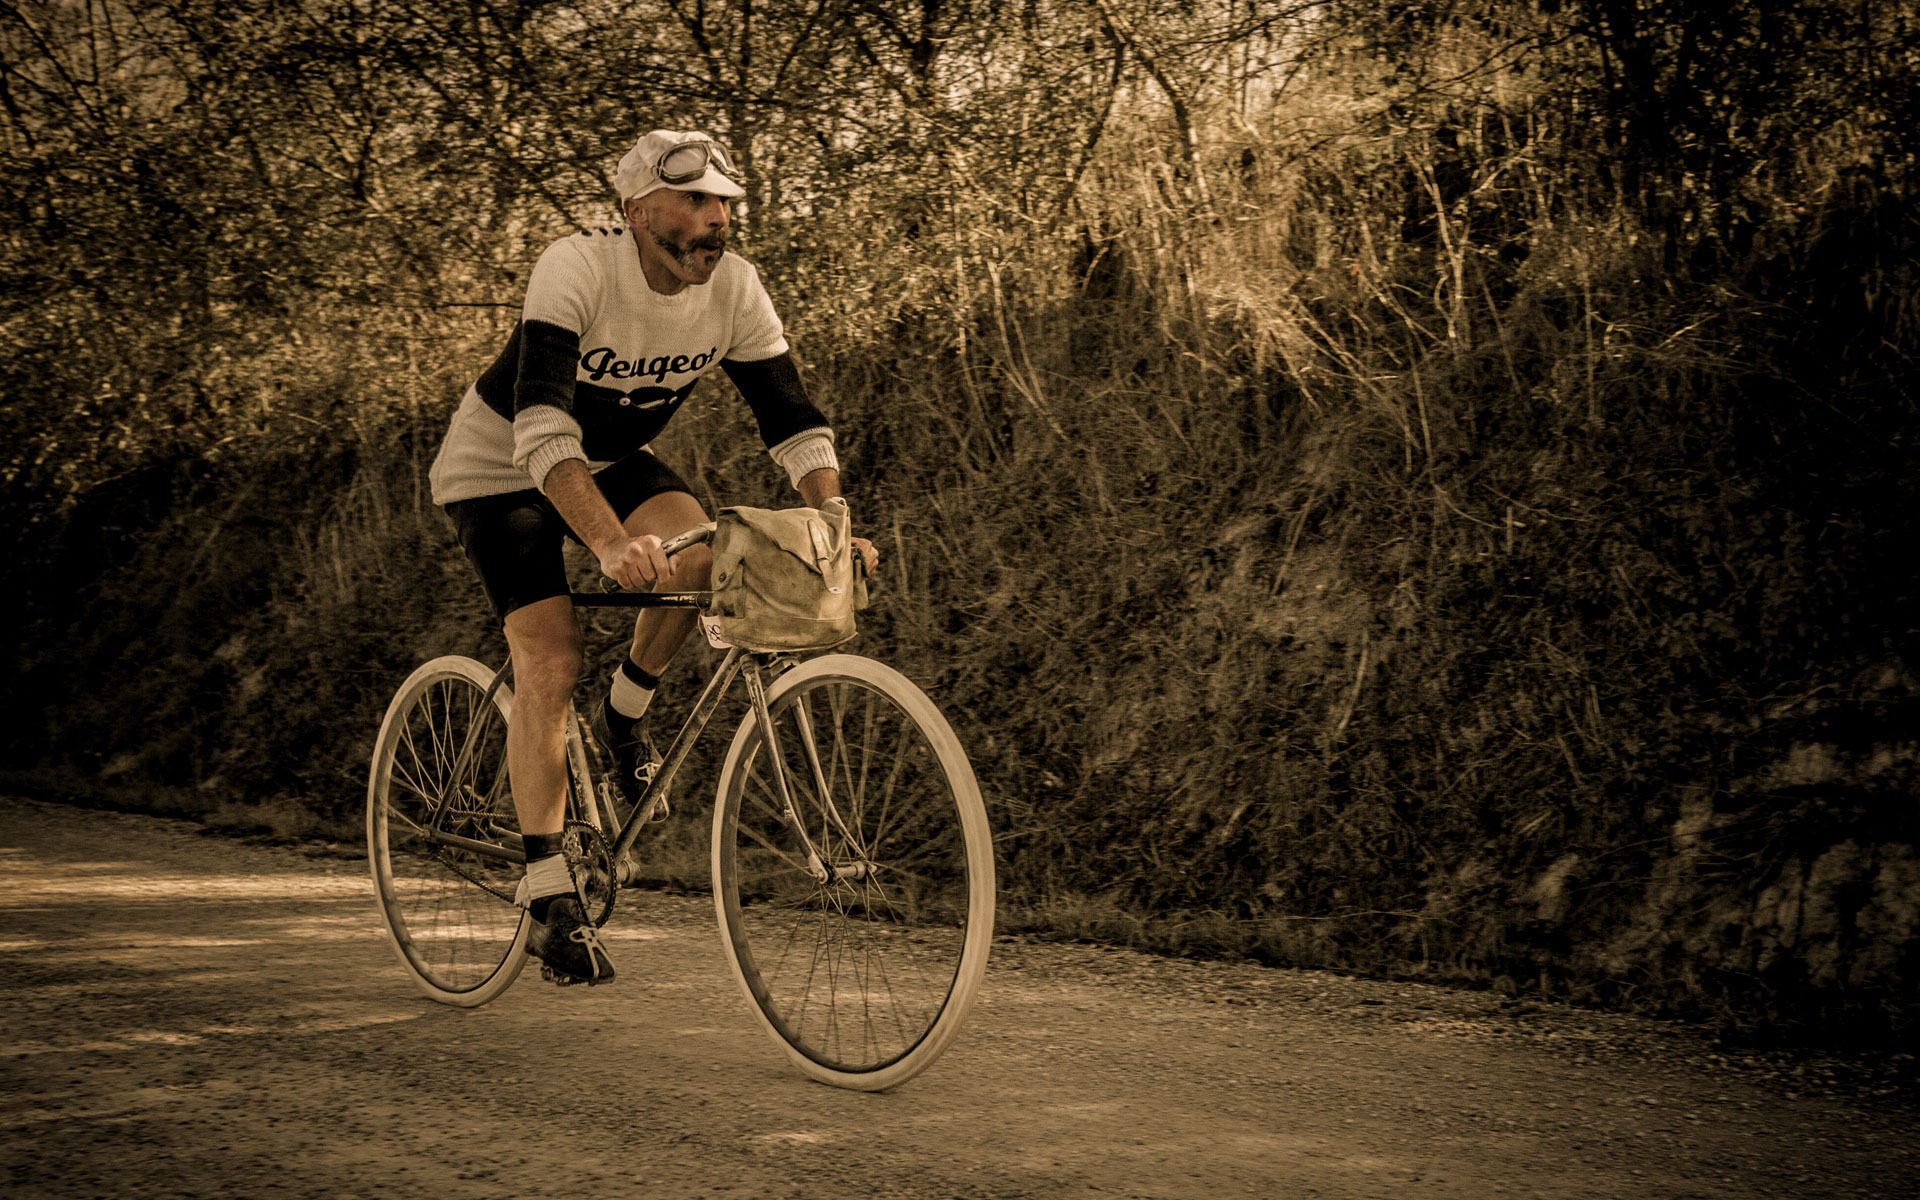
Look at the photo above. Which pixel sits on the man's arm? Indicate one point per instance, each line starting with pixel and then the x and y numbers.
pixel 817 487
pixel 795 432
pixel 632 562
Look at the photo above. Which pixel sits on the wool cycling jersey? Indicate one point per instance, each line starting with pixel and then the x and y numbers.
pixel 600 362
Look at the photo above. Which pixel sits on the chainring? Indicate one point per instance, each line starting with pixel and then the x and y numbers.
pixel 590 861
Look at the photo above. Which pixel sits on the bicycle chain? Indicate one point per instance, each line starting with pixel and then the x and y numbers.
pixel 446 860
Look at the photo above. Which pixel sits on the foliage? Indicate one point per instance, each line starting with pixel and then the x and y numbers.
pixel 1409 487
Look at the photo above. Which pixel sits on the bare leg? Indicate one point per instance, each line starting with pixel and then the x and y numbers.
pixel 546 646
pixel 659 633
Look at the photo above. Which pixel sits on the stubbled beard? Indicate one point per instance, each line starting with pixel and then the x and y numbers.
pixel 683 254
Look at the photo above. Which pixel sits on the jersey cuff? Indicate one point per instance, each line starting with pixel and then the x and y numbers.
pixel 550 454
pixel 805 452
pixel 543 438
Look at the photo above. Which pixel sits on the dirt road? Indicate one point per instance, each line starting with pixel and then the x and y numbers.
pixel 194 1016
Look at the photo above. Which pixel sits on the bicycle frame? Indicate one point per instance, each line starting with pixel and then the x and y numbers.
pixel 624 833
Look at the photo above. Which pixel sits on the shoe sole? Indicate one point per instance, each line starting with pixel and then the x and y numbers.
pixel 553 974
pixel 562 979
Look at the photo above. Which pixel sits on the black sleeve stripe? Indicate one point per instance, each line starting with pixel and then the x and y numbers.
pixel 548 354
pixel 773 391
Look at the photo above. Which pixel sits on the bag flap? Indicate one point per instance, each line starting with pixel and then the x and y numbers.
pixel 806 533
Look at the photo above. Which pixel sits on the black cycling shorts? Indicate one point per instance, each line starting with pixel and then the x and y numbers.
pixel 513 539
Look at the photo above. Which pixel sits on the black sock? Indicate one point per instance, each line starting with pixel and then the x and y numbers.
pixel 619 724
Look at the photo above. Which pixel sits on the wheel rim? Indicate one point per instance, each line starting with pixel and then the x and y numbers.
pixel 449 909
pixel 852 972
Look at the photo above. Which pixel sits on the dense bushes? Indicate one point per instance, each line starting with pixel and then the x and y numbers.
pixel 1419 513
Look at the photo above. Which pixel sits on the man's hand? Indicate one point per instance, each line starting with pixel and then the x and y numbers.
pixel 634 562
pixel 823 485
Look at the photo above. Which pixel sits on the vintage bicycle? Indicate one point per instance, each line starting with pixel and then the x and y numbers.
pixel 852 862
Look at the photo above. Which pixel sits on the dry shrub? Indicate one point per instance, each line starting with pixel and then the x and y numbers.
pixel 1401 547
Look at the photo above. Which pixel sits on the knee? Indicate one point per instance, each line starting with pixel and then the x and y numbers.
pixel 693 568
pixel 546 669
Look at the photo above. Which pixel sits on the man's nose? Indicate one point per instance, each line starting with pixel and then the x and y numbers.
pixel 717 214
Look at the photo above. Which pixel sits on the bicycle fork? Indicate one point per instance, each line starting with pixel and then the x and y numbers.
pixel 821 870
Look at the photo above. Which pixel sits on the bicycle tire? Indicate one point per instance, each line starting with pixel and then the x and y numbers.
pixel 461 941
pixel 909 939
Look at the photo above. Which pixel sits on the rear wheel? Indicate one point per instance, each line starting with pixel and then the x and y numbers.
pixel 440 774
pixel 862 957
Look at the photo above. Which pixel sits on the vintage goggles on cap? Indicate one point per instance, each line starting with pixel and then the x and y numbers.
pixel 689 161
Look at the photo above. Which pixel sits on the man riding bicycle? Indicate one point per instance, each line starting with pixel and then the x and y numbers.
pixel 550 442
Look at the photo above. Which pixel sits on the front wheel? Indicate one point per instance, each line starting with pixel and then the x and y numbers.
pixel 442 838
pixel 860 945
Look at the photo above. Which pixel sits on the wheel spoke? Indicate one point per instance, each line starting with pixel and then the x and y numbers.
pixel 893 780
pixel 866 757
pixel 442 764
pixel 774 850
pixel 807 779
pixel 840 755
pixel 413 755
pixel 406 780
pixel 948 841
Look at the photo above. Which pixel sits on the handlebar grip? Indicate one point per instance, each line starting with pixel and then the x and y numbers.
pixel 692 537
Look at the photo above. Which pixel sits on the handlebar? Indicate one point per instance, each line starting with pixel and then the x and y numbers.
pixel 692 537
pixel 611 595
pixel 704 533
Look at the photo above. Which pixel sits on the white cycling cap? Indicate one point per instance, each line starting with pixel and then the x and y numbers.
pixel 703 166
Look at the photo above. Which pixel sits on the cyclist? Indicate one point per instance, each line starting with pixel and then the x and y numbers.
pixel 551 441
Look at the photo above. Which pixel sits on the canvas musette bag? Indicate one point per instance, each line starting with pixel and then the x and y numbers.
pixel 784 579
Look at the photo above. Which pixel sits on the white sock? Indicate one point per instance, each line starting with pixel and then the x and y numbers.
pixel 547 877
pixel 628 698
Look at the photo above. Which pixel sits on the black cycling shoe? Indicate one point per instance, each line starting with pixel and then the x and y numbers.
pixel 568 946
pixel 634 756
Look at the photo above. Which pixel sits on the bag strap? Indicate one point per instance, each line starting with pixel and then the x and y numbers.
pixel 822 552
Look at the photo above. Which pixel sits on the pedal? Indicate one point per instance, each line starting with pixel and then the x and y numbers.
pixel 558 980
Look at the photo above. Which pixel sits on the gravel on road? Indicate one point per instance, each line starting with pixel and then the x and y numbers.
pixel 197 1016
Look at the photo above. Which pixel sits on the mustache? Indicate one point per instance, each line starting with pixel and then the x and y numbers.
pixel 683 252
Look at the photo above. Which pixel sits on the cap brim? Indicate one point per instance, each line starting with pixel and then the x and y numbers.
pixel 713 183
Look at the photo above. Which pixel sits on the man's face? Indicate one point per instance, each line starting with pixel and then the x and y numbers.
pixel 681 234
